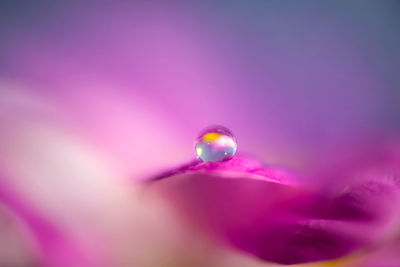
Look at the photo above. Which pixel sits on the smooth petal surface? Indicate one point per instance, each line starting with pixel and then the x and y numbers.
pixel 384 255
pixel 285 222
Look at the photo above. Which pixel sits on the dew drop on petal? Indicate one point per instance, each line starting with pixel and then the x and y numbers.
pixel 215 143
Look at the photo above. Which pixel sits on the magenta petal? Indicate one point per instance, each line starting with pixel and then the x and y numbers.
pixel 282 222
pixel 232 168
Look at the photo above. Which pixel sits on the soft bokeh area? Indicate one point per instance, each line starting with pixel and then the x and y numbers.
pixel 95 98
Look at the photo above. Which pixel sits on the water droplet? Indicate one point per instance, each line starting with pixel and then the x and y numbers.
pixel 216 143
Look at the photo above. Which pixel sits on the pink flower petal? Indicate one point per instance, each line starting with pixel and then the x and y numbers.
pixel 279 220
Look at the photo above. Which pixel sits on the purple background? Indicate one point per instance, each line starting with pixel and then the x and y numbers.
pixel 93 95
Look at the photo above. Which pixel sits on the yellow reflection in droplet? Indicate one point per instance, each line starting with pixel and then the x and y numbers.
pixel 211 137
